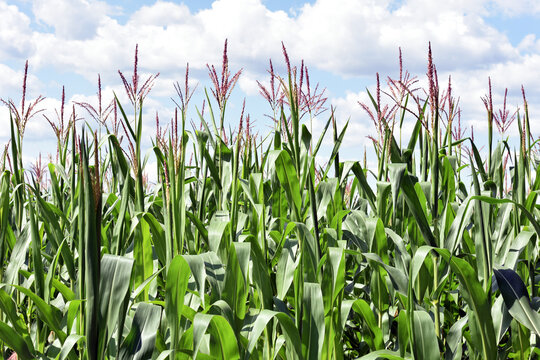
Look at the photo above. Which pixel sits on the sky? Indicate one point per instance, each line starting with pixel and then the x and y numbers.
pixel 344 43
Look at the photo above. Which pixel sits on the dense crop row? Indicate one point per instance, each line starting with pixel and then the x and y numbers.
pixel 251 249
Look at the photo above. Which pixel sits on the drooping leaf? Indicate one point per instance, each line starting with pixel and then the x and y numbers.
pixel 139 343
pixel 224 345
pixel 517 299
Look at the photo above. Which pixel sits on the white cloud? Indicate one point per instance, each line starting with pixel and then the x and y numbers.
pixel 356 38
pixel 104 53
pixel 38 127
pixel 529 44
pixel 516 7
pixel 360 125
pixel 248 83
pixel 11 90
pixel 15 33
pixel 4 127
pixel 471 85
pixel 11 81
pixel 161 13
pixel 72 19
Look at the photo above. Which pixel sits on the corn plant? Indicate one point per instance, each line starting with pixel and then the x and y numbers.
pixel 247 247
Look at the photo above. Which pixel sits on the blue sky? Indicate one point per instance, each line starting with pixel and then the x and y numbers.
pixel 343 42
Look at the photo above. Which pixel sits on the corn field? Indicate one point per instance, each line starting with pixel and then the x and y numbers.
pixel 247 247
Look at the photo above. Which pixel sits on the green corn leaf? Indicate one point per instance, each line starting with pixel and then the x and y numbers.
pixel 313 327
pixel 335 150
pixel 516 299
pixel 288 178
pixel 235 291
pixel 425 342
pixel 70 342
pixel 403 332
pixel 395 173
pixel 224 345
pixel 398 278
pixel 261 277
pixel 521 344
pixel 217 232
pixel 175 291
pixel 310 255
pixel 9 308
pixel 142 252
pixel 333 281
pixel 454 339
pixel 285 271
pixel 36 254
pixel 260 322
pixel 415 207
pixel 4 207
pixel 15 342
pixel 478 302
pixel 197 269
pixel 158 236
pixel 119 231
pixel 114 286
pixel 373 334
pixel 52 226
pixel 48 313
pixel 501 318
pixel 361 177
pixel 383 354
pixel 72 312
pixel 139 343
pixel 215 273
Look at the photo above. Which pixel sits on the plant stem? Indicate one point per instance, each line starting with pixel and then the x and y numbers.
pixel 436 300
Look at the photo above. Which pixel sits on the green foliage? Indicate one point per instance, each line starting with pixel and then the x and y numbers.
pixel 255 250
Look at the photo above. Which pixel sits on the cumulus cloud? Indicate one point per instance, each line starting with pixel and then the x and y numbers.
pixel 511 75
pixel 360 125
pixel 15 33
pixel 72 19
pixel 161 13
pixel 11 81
pixel 515 8
pixel 352 40
pixel 4 129
pixel 366 37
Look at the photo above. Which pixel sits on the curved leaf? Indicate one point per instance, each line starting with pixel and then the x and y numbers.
pixel 225 344
pixel 139 343
pixel 516 299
